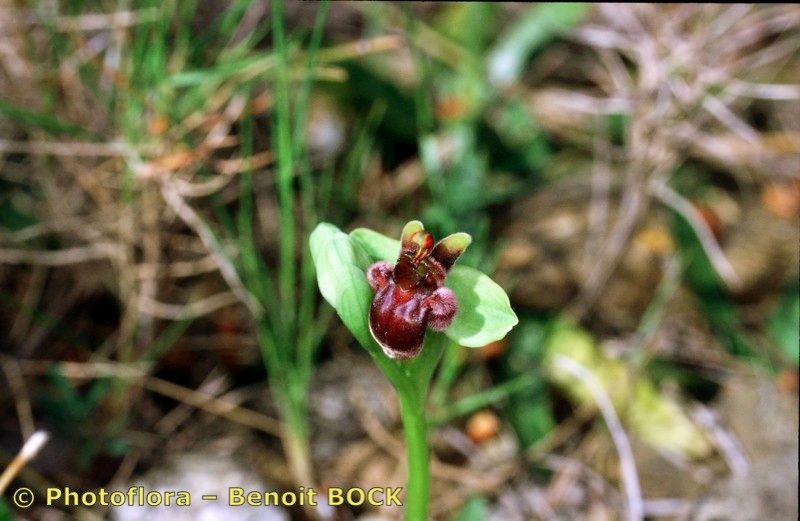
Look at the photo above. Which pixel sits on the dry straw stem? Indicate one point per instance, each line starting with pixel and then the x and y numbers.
pixel 630 478
pixel 192 219
pixel 190 310
pixel 139 373
pixel 76 255
pixel 215 406
pixel 725 441
pixel 99 22
pixel 64 148
pixel 701 229
pixel 29 451
pixel 22 401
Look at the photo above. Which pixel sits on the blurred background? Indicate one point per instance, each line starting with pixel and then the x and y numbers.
pixel 630 175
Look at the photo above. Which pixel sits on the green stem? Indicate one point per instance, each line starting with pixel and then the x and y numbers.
pixel 412 408
pixel 412 380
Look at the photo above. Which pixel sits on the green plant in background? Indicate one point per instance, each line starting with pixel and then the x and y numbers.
pixel 171 77
pixel 484 315
pixel 471 135
pixel 475 509
pixel 289 325
pixel 71 413
pixel 175 74
pixel 655 418
pixel 529 409
pixel 783 325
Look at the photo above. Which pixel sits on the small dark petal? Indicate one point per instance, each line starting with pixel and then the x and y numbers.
pixel 410 231
pixel 448 250
pixel 436 273
pixel 405 274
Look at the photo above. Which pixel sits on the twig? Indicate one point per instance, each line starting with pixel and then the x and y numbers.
pixel 723 114
pixel 602 38
pixel 139 371
pixel 64 257
pixel 229 167
pixel 630 479
pixel 206 235
pixel 86 370
pixel 560 434
pixel 71 149
pixel 762 90
pixel 21 400
pixel 674 508
pixel 727 18
pixel 204 188
pixel 674 200
pixel 598 204
pixel 569 471
pixel 177 269
pixel 631 208
pixel 216 406
pixel 29 451
pixel 213 385
pixel 56 304
pixel 30 300
pixel 100 21
pixel 725 441
pixel 61 223
pixel 151 249
pixel 190 310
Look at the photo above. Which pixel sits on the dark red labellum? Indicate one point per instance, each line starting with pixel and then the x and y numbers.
pixel 410 296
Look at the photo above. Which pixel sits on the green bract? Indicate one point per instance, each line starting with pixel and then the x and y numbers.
pixel 341 268
pixel 484 312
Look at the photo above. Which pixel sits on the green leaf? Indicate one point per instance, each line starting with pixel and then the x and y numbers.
pixel 40 119
pixel 11 218
pixel 783 325
pixel 538 25
pixel 475 509
pixel 5 513
pixel 484 312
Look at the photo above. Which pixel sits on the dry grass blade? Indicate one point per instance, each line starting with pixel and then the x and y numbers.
pixel 226 267
pixel 70 149
pixel 704 234
pixel 64 257
pixel 29 451
pixel 22 401
pixel 216 406
pixel 630 479
pixel 189 310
